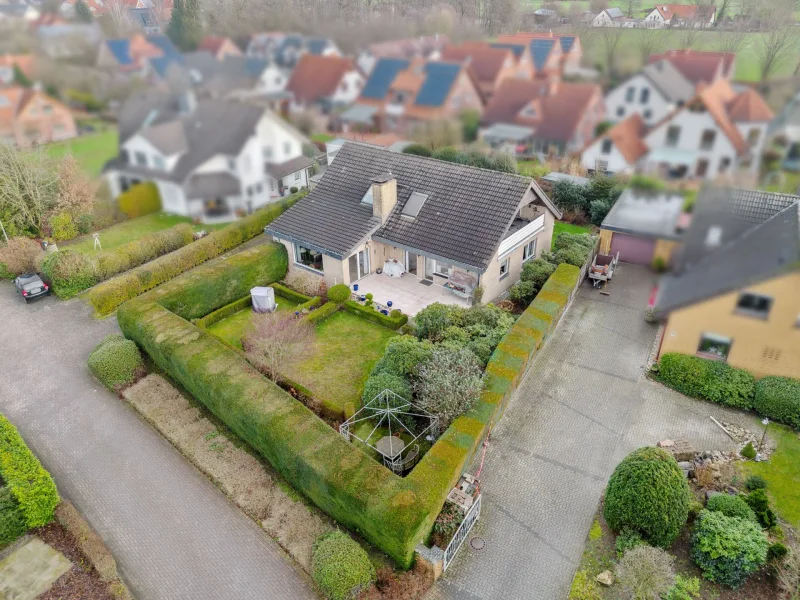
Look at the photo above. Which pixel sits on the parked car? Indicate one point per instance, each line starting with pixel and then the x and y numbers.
pixel 30 286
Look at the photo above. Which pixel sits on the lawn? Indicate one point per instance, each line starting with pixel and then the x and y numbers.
pixel 127 231
pixel 561 227
pixel 782 472
pixel 336 366
pixel 322 137
pixel 91 151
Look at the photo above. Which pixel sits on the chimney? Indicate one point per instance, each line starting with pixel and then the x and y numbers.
pixel 384 195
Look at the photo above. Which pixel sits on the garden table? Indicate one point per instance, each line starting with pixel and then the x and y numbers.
pixel 390 446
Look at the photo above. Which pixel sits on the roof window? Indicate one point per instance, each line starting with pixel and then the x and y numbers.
pixel 714 236
pixel 414 205
pixel 367 199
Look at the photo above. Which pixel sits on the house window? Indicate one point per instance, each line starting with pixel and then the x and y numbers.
pixel 287 147
pixel 140 158
pixel 714 346
pixel 232 164
pixel 529 250
pixel 644 96
pixel 673 135
pixel 159 163
pixel 267 153
pixel 702 167
pixel 308 258
pixel 707 141
pixel 630 94
pixel 647 114
pixel 297 176
pixel 753 136
pixel 754 305
pixel 621 111
pixel 272 185
pixel 442 269
pixel 724 164
pixel 504 267
pixel 606 147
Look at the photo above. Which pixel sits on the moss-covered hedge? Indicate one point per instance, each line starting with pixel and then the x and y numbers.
pixel 779 399
pixel 26 479
pixel 393 513
pixel 394 320
pixel 106 297
pixel 116 361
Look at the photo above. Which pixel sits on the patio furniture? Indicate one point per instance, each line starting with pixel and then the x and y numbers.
pixel 263 299
pixel 390 446
pixel 462 284
pixel 392 268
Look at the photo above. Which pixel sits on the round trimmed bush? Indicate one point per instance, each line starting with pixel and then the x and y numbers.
pixel 116 361
pixel 339 293
pixel 340 567
pixel 648 493
pixel 779 399
pixel 727 550
pixel 731 506
pixel 402 355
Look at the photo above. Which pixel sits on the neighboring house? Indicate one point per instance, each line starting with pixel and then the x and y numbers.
pixel 717 134
pixel 652 94
pixel 400 94
pixel 442 223
pixel 233 76
pixel 389 141
pixel 67 8
pixel 18 12
pixel 425 47
pixel 699 66
pixel 135 55
pixel 526 117
pixel 285 49
pixel 733 295
pixel 219 47
pixel 29 117
pixel 47 19
pixel 786 128
pixel 681 15
pixel 608 17
pixel 644 226
pixel 321 84
pixel 211 159
pixel 552 54
pixel 8 62
pixel 146 20
pixel 490 65
pixel 69 41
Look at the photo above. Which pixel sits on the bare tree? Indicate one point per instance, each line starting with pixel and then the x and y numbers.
pixel 723 7
pixel 689 33
pixel 774 46
pixel 596 6
pixel 28 188
pixel 276 340
pixel 630 6
pixel 651 41
pixel 732 39
pixel 610 38
pixel 75 193
pixel 119 17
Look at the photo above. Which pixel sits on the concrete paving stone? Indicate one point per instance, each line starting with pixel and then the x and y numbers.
pixel 31 569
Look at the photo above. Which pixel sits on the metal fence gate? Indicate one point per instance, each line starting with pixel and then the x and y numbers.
pixel 473 514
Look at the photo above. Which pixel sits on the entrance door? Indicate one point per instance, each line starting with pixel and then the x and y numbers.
pixel 358 265
pixel 430 265
pixel 411 263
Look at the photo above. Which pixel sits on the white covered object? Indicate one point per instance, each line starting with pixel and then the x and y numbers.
pixel 263 299
pixel 393 269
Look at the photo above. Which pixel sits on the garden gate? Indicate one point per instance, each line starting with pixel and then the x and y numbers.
pixel 462 532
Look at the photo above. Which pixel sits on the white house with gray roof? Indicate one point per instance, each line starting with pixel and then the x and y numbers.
pixel 211 159
pixel 413 230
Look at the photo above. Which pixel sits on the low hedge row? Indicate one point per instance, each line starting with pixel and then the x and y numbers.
pixel 323 312
pixel 393 513
pixel 12 521
pixel 72 272
pixel 395 319
pixel 27 480
pixel 107 296
pixel 242 303
pixel 289 294
pixel 775 397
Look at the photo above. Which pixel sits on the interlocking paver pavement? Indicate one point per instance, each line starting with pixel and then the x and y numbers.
pixel 581 408
pixel 174 535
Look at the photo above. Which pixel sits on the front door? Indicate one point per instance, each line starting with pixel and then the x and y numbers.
pixel 411 263
pixel 430 265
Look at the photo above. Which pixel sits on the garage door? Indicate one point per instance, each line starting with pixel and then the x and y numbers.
pixel 633 249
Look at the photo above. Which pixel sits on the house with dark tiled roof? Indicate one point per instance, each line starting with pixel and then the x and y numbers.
pixel 211 159
pixel 552 53
pixel 543 115
pixel 733 293
pixel 139 54
pixel 681 15
pixel 413 230
pixel 285 49
pixel 28 116
pixel 400 94
pixel 321 84
pixel 719 133
pixel 490 63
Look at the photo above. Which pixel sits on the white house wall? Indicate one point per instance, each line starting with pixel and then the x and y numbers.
pixel 173 200
pixel 349 88
pixel 758 148
pixel 272 81
pixel 283 143
pixel 616 99
pixel 138 144
pixel 616 162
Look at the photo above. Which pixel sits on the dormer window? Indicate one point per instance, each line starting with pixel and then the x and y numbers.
pixel 159 163
pixel 367 199
pixel 529 111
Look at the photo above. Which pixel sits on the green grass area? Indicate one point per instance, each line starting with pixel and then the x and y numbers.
pixel 91 151
pixel 322 137
pixel 127 231
pixel 561 227
pixel 788 184
pixel 335 368
pixel 782 473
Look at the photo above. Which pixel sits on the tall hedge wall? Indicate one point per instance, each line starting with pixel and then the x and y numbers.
pixel 140 200
pixel 25 477
pixel 107 296
pixel 394 513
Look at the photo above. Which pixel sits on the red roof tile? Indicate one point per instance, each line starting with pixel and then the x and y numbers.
pixel 628 138
pixel 485 61
pixel 699 66
pixel 748 107
pixel 316 77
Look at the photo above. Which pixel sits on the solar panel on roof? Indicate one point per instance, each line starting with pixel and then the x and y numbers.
pixel 517 49
pixel 439 79
pixel 541 51
pixel 382 76
pixel 566 42
pixel 414 205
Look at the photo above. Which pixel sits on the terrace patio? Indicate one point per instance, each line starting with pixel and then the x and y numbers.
pixel 407 293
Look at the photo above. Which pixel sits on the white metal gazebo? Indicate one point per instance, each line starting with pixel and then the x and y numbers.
pixel 389 410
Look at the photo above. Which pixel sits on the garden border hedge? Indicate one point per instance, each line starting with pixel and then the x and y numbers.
pixel 26 478
pixel 370 314
pixel 393 513
pixel 109 295
pixel 226 311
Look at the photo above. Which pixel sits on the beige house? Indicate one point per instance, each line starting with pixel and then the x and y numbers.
pixel 29 117
pixel 413 230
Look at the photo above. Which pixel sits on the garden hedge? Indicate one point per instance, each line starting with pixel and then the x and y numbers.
pixel 731 506
pixel 107 296
pixel 323 312
pixel 242 303
pixel 12 521
pixel 393 513
pixel 779 399
pixel 394 320
pixel 115 361
pixel 140 200
pixel 340 567
pixel 711 380
pixel 27 480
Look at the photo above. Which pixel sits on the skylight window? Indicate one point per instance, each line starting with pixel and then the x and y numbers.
pixel 367 199
pixel 414 205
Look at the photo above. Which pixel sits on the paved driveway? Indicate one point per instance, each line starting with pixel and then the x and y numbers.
pixel 174 535
pixel 582 407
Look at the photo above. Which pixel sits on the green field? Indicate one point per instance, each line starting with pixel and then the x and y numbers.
pixel 130 230
pixel 91 151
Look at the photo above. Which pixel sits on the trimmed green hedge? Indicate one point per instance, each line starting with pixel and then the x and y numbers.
pixel 323 312
pixel 395 319
pixel 140 200
pixel 115 361
pixel 12 521
pixel 106 297
pixel 226 311
pixel 779 399
pixel 289 294
pixel 340 567
pixel 711 380
pixel 26 479
pixel 393 513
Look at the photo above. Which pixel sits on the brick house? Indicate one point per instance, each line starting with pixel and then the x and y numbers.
pixel 29 117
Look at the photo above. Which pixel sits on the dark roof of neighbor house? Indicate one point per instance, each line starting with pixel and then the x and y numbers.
pixel 757 237
pixel 647 214
pixel 790 115
pixel 463 220
pixel 614 12
pixel 293 165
